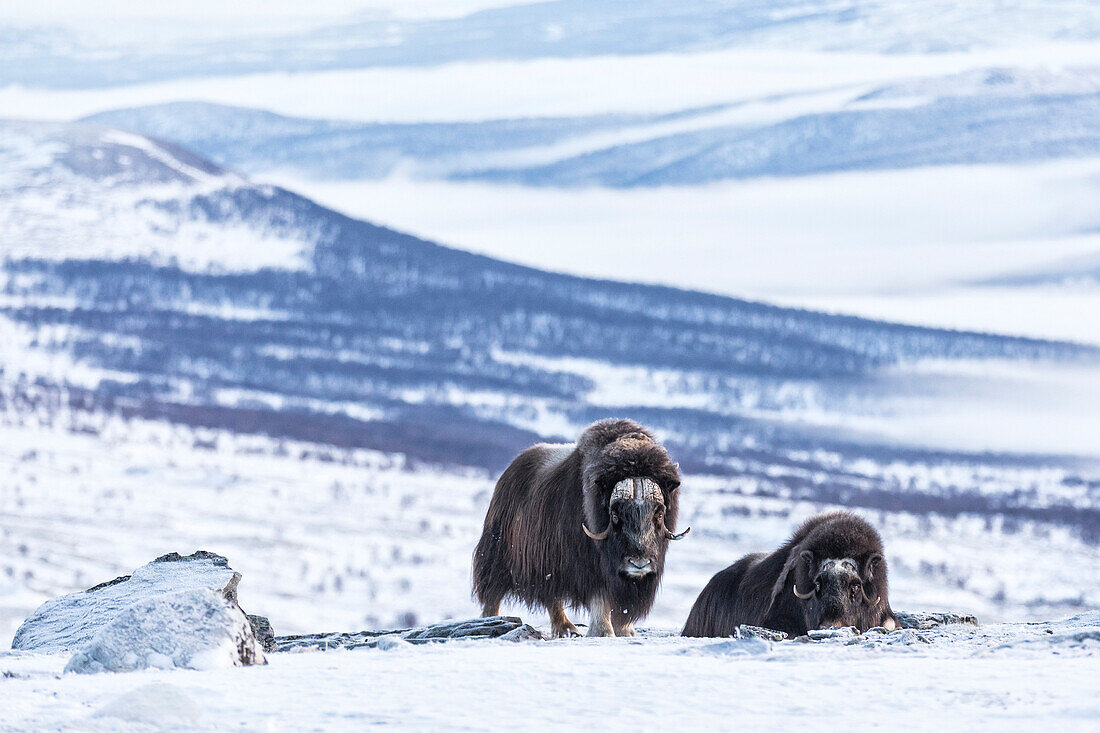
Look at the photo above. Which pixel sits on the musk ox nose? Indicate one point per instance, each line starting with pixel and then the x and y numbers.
pixel 636 567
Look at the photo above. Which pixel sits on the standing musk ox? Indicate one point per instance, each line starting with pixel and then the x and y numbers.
pixel 830 573
pixel 584 524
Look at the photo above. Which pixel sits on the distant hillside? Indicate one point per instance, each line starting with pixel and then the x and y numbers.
pixel 992 118
pixel 141 281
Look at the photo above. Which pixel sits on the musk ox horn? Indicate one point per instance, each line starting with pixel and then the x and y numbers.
pixel 680 536
pixel 868 598
pixel 803 596
pixel 593 535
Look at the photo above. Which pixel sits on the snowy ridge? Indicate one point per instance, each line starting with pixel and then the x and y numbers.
pixel 86 192
pixel 991 116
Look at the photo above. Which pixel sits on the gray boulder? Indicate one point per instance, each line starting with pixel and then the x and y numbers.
pixel 177 611
pixel 189 629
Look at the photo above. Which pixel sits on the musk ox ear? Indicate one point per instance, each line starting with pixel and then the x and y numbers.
pixel 795 558
pixel 871 566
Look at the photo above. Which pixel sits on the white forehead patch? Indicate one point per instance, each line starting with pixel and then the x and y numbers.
pixel 840 565
pixel 637 489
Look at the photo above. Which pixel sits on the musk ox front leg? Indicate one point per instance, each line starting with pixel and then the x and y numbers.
pixel 599 622
pixel 560 625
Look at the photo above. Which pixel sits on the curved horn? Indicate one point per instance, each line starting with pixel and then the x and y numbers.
pixel 600 536
pixel 680 536
pixel 868 598
pixel 803 596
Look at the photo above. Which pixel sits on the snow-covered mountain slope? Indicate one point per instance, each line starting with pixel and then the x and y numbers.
pixel 346 312
pixel 995 116
pixel 256 141
pixel 95 193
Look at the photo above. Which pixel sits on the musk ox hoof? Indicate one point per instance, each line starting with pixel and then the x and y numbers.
pixel 566 631
pixel 598 630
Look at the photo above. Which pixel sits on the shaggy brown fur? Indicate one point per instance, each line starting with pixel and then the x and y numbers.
pixel 758 589
pixel 533 547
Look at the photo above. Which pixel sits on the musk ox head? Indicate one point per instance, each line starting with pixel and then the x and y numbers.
pixel 636 537
pixel 835 591
pixel 835 575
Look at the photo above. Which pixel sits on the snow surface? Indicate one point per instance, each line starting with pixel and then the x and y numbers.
pixel 1012 677
pixel 335 540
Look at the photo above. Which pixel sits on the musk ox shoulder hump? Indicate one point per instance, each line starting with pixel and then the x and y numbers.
pixel 602 433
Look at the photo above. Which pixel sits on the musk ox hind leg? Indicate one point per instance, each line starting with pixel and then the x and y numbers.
pixel 560 625
pixel 625 628
pixel 599 622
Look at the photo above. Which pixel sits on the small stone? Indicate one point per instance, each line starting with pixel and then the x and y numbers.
pixel 925 620
pixel 745 631
pixel 823 634
pixel 265 634
pixel 523 633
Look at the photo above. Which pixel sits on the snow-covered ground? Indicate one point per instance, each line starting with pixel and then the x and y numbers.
pixel 1013 677
pixel 332 540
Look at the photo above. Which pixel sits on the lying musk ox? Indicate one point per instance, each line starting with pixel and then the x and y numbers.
pixel 584 524
pixel 831 573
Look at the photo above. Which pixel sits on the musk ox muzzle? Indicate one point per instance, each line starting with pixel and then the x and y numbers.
pixel 635 527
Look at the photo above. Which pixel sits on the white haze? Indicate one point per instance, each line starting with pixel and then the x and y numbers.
pixel 885 244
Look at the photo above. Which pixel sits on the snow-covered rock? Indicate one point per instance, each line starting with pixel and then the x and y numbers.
pixel 927 620
pixel 508 628
pixel 177 611
pixel 190 629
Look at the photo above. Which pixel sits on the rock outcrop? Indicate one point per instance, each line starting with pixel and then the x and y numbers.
pixel 924 620
pixel 177 611
pixel 508 628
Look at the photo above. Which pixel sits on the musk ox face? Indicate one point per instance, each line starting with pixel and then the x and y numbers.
pixel 834 591
pixel 635 538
